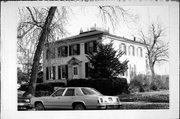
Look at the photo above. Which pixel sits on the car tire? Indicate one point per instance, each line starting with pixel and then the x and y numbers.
pixel 79 106
pixel 39 106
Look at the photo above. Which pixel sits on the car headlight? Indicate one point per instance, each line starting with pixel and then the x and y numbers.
pixel 27 100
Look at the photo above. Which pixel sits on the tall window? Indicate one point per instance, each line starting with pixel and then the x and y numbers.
pixel 50 73
pixel 123 48
pixel 63 51
pixel 139 52
pixel 75 70
pixel 64 71
pixel 53 73
pixel 131 50
pixel 90 47
pixel 74 49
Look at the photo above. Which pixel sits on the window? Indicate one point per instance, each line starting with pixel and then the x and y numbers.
pixel 50 73
pixel 64 71
pixel 69 92
pixel 53 72
pixel 131 50
pixel 63 51
pixel 74 49
pixel 90 47
pixel 89 91
pixel 75 70
pixel 139 52
pixel 123 48
pixel 59 92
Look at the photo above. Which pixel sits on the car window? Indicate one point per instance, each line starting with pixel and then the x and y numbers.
pixel 89 91
pixel 59 92
pixel 69 92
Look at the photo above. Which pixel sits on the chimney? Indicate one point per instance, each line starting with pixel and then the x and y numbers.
pixel 134 38
pixel 81 31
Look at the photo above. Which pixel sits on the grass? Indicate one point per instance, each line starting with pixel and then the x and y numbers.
pixel 146 100
pixel 155 96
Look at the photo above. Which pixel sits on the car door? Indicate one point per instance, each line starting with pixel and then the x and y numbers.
pixel 67 98
pixel 54 101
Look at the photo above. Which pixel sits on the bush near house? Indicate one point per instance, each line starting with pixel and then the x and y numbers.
pixel 141 83
pixel 105 86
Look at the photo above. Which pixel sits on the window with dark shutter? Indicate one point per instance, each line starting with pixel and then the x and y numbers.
pixel 59 72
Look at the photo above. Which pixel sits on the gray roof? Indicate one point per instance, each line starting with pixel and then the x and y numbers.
pixel 97 32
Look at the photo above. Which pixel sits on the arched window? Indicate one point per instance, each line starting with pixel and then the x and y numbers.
pixel 139 52
pixel 131 50
pixel 123 48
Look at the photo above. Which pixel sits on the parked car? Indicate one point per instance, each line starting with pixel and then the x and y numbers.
pixel 77 98
pixel 23 102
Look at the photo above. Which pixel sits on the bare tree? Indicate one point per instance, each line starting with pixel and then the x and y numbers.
pixel 157 49
pixel 38 26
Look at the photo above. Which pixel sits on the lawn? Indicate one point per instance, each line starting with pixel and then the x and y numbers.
pixel 146 100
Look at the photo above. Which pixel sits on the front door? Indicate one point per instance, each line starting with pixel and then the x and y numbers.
pixel 75 72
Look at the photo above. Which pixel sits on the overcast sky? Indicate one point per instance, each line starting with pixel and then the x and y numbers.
pixel 86 17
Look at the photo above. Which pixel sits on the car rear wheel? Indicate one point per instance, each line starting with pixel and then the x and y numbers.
pixel 39 106
pixel 79 107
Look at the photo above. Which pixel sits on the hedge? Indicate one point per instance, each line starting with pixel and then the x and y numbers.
pixel 105 86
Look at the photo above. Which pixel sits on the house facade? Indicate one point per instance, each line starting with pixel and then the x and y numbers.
pixel 66 59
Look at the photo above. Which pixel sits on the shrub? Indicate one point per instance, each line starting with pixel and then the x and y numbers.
pixel 105 86
pixel 42 93
pixel 140 83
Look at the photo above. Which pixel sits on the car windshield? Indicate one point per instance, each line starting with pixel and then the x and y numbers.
pixel 90 91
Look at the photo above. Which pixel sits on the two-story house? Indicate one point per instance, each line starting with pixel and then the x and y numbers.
pixel 66 59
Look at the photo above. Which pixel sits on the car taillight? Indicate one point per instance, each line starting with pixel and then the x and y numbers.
pixel 27 100
pixel 117 99
pixel 100 100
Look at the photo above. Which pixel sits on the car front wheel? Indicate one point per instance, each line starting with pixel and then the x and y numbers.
pixel 39 106
pixel 79 107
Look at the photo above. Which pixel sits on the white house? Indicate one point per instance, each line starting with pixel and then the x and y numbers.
pixel 66 59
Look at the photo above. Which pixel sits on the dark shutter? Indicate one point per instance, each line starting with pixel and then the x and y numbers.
pixel 85 48
pixel 59 72
pixel 54 72
pixel 94 46
pixel 70 47
pixel 86 69
pixel 47 73
pixel 66 51
pixel 59 51
pixel 78 49
pixel 66 71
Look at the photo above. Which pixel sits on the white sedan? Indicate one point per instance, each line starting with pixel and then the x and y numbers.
pixel 77 98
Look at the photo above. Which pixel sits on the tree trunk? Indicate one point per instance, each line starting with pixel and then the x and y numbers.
pixel 44 34
pixel 152 71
